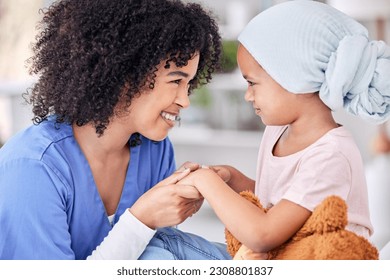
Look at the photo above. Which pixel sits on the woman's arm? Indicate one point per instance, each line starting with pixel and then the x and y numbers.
pixel 163 205
pixel 33 212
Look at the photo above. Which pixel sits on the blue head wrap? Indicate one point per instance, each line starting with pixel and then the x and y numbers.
pixel 308 46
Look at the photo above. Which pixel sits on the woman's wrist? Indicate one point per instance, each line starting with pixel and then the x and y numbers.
pixel 133 210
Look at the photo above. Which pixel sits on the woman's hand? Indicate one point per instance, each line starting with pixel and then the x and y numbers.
pixel 222 170
pixel 192 166
pixel 244 253
pixel 167 204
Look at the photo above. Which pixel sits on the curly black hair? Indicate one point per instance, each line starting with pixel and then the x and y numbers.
pixel 88 50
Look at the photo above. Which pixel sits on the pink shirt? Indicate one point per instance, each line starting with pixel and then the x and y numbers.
pixel 330 166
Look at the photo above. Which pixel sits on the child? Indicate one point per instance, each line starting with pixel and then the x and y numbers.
pixel 302 60
pixel 92 179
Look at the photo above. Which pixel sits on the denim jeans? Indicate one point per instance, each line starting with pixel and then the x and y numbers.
pixel 173 244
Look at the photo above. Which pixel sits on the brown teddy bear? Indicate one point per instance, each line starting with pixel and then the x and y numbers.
pixel 322 237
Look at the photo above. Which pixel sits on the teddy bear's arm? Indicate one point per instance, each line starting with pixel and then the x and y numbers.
pixel 233 244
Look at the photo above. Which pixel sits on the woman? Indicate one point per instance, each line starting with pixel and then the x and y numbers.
pixel 91 179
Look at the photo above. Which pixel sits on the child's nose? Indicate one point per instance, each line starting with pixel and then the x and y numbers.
pixel 248 96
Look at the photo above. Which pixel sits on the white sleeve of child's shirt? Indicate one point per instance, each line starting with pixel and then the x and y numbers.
pixel 126 241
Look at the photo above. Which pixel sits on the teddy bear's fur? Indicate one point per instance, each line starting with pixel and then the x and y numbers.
pixel 322 237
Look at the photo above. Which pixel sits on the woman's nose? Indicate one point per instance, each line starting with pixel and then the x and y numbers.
pixel 183 99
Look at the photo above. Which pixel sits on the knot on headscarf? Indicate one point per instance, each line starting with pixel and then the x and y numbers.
pixel 357 78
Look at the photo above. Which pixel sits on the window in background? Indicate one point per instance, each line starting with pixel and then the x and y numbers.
pixel 18 19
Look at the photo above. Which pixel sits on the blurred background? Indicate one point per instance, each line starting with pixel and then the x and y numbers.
pixel 219 127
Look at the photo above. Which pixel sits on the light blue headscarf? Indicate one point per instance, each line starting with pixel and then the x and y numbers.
pixel 308 46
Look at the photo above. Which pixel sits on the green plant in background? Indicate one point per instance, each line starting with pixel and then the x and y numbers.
pixel 201 97
pixel 229 56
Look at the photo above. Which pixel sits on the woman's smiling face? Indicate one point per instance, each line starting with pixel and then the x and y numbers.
pixel 154 112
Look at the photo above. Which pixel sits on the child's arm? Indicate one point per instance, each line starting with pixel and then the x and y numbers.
pixel 234 178
pixel 230 175
pixel 259 231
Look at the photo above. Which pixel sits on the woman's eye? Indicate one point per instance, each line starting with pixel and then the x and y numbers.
pixel 176 81
pixel 250 83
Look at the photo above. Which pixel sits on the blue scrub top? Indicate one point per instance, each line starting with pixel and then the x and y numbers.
pixel 49 204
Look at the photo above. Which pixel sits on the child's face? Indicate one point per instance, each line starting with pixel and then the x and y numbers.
pixel 272 103
pixel 153 113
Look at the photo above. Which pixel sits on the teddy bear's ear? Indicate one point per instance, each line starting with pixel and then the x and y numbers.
pixel 232 244
pixel 330 215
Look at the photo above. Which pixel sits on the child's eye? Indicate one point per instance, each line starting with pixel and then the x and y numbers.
pixel 250 83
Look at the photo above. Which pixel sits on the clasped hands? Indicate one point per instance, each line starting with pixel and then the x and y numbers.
pixel 172 200
pixel 193 176
pixel 185 181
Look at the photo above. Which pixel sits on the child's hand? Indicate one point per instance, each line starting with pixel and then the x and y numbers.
pixel 381 144
pixel 222 172
pixel 244 253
